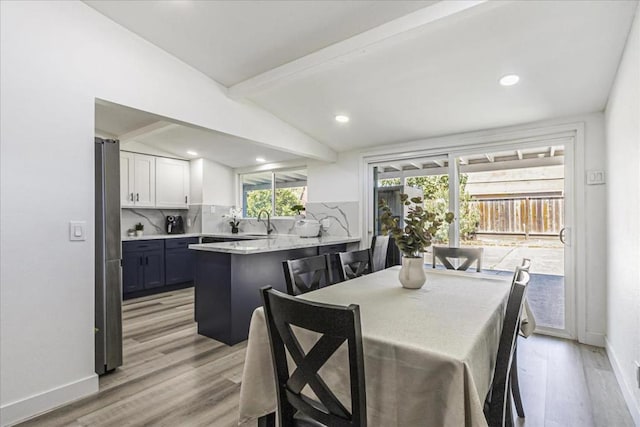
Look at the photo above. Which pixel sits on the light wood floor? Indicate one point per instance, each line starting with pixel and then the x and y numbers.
pixel 173 377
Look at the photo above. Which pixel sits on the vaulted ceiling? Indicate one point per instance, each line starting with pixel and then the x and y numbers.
pixel 401 70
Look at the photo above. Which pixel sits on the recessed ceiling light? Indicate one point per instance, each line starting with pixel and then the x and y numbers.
pixel 342 119
pixel 260 159
pixel 192 153
pixel 509 80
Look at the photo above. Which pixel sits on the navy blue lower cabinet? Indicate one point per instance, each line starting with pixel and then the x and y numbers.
pixel 132 280
pixel 142 265
pixel 153 269
pixel 179 260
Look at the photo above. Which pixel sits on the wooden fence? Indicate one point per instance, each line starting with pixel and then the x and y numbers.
pixel 523 216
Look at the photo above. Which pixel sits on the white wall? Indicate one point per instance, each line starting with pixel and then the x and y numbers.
pixel 57 58
pixel 335 182
pixel 212 183
pixel 218 184
pixel 195 180
pixel 623 221
pixel 342 181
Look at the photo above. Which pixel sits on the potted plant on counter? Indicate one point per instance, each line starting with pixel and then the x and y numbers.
pixel 234 219
pixel 298 209
pixel 413 238
pixel 139 229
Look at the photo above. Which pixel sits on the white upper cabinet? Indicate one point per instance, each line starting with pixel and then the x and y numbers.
pixel 127 191
pixel 137 180
pixel 172 183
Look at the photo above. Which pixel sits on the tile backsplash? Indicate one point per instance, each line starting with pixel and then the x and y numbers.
pixel 154 220
pixel 343 217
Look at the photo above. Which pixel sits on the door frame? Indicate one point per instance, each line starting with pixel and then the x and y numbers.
pixel 570 135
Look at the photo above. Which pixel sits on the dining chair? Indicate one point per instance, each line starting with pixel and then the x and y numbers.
pixel 307 274
pixel 498 407
pixel 467 255
pixel 354 264
pixel 336 324
pixel 515 383
pixel 379 248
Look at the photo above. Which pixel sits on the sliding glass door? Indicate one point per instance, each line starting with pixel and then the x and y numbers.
pixel 512 201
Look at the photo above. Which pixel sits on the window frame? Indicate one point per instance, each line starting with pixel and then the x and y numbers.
pixel 273 187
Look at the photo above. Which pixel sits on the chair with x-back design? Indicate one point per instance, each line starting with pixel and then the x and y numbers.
pixel 355 264
pixel 307 274
pixel 335 324
pixel 467 256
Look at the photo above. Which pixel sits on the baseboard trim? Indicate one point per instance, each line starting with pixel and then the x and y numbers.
pixel 633 406
pixel 20 410
pixel 594 339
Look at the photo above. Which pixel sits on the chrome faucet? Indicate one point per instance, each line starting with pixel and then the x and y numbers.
pixel 269 229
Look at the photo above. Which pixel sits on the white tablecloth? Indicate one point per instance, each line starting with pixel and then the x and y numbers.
pixel 429 353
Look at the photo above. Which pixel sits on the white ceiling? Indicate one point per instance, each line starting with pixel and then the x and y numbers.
pixel 231 41
pixel 177 138
pixel 436 78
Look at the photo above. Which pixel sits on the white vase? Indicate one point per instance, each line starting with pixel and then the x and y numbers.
pixel 139 233
pixel 412 274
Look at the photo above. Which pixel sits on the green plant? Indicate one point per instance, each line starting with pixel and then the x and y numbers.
pixel 419 229
pixel 139 226
pixel 297 209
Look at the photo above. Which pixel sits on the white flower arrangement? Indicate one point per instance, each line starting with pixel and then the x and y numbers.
pixel 235 215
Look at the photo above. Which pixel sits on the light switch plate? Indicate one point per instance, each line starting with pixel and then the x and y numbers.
pixel 595 177
pixel 77 230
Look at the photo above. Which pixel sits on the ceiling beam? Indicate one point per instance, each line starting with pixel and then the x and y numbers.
pixel 552 151
pixel 152 129
pixel 354 46
pixel 519 153
pixel 490 158
pixel 440 163
pixel 416 165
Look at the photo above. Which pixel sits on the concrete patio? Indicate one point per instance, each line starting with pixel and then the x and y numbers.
pixel 546 289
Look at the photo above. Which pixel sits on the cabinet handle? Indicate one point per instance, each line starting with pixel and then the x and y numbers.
pixel 146 260
pixel 137 197
pixel 185 199
pixel 132 197
pixel 141 263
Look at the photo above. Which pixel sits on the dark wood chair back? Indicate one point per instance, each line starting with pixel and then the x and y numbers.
pixel 499 411
pixel 336 324
pixel 379 249
pixel 307 274
pixel 354 264
pixel 467 255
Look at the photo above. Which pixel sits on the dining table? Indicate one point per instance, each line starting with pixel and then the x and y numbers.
pixel 429 353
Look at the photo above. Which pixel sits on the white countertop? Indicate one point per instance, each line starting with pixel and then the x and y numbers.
pixel 272 244
pixel 245 236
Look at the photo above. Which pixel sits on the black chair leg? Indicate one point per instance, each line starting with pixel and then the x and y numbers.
pixel 515 386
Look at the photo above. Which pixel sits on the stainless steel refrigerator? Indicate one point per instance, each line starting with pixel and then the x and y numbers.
pixel 108 283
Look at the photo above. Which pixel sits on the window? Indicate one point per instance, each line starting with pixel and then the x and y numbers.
pixel 276 192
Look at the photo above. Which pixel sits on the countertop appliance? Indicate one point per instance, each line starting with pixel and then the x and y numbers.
pixel 307 228
pixel 108 280
pixel 175 224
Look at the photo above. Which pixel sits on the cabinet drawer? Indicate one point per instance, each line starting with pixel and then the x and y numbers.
pixel 180 243
pixel 143 245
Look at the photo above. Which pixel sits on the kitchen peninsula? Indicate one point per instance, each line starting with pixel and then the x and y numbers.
pixel 229 275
